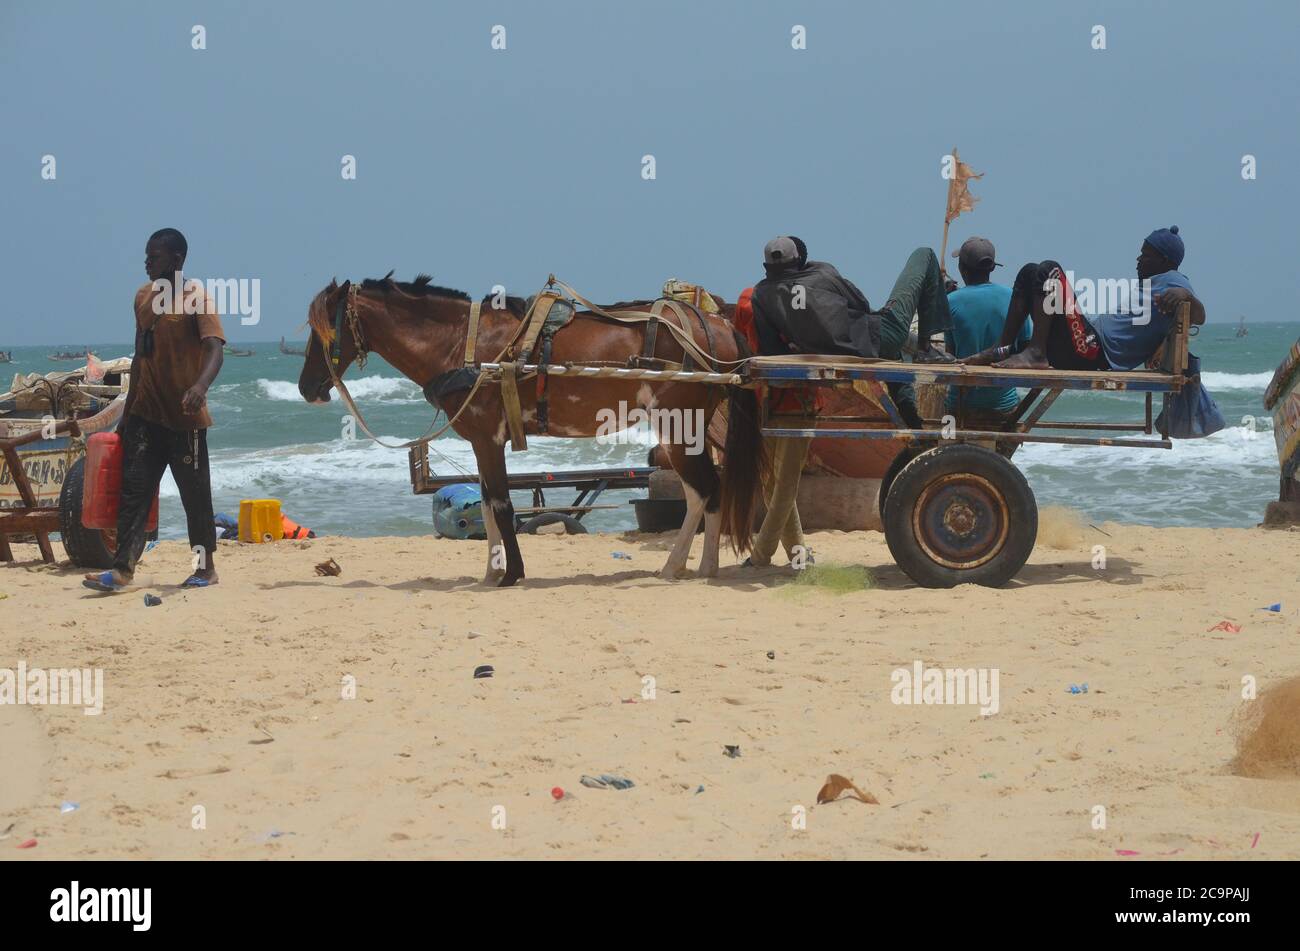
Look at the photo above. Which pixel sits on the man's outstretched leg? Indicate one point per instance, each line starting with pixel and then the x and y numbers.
pixel 918 290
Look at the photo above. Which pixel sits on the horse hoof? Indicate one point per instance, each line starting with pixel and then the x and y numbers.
pixel 669 574
pixel 707 572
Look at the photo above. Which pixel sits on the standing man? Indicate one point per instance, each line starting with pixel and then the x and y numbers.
pixel 804 306
pixel 979 312
pixel 178 353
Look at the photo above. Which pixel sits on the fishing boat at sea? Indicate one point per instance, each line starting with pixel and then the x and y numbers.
pixel 1241 328
pixel 290 351
pixel 63 356
pixel 6 356
pixel 236 352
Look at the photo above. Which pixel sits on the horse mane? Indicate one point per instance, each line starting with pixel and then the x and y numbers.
pixel 421 287
pixel 322 321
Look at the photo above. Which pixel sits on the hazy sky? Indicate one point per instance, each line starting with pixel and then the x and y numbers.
pixel 485 166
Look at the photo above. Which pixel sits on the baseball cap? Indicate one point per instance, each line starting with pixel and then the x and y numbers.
pixel 976 254
pixel 781 252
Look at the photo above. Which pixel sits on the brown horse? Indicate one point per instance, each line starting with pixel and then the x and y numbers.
pixel 422 330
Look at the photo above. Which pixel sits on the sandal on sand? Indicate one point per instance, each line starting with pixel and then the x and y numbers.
pixel 103 582
pixel 194 581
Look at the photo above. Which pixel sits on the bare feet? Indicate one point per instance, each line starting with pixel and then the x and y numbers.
pixel 1024 360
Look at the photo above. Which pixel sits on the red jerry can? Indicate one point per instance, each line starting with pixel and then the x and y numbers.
pixel 102 483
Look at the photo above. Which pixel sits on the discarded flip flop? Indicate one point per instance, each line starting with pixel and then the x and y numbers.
pixel 1226 626
pixel 104 582
pixel 329 569
pixel 486 670
pixel 732 751
pixel 152 601
pixel 194 581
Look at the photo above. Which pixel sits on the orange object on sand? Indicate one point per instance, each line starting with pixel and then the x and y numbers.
pixel 293 530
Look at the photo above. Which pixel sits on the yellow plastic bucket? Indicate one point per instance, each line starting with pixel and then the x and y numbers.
pixel 259 521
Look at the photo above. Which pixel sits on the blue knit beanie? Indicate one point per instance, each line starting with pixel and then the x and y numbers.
pixel 1167 242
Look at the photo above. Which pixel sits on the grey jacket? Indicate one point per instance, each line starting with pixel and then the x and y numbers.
pixel 835 316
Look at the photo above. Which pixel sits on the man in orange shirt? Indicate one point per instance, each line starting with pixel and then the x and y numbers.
pixel 178 353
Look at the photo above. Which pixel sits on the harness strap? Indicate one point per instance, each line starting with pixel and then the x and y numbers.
pixel 543 414
pixel 686 340
pixel 687 362
pixel 651 334
pixel 510 400
pixel 471 338
pixel 536 319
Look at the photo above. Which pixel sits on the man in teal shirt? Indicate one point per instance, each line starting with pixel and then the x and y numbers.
pixel 979 311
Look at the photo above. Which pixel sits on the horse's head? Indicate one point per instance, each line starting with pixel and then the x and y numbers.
pixel 316 381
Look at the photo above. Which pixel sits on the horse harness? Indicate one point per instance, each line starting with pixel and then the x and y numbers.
pixel 550 311
pixel 547 313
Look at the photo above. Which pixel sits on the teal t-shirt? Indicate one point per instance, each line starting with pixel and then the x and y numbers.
pixel 978 313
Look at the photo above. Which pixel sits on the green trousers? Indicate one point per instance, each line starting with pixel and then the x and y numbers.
pixel 781 524
pixel 918 290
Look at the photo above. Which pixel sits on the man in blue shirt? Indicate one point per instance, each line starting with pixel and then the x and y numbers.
pixel 1065 339
pixel 979 312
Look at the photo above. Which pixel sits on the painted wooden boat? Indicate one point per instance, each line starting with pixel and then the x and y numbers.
pixel 1282 398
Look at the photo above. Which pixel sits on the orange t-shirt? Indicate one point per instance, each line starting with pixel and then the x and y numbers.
pixel 179 324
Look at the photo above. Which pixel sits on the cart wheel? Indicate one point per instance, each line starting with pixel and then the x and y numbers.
pixel 960 515
pixel 571 525
pixel 900 461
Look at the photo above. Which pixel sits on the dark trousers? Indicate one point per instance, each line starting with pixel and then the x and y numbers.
pixel 148 449
pixel 1072 342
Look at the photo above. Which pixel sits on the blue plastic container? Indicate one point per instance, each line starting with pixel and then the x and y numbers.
pixel 458 512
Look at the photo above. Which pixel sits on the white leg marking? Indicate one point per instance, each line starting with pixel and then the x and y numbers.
pixel 676 565
pixel 712 534
pixel 493 575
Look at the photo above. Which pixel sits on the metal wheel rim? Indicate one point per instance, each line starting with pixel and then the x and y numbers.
pixel 964 501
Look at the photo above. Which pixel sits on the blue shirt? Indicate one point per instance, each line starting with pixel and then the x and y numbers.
pixel 978 314
pixel 1128 340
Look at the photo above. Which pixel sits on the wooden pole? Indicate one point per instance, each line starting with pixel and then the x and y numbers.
pixel 943 248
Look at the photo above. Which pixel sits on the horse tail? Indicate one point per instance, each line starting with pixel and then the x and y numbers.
pixel 745 462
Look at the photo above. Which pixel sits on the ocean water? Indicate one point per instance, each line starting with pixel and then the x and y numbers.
pixel 268 443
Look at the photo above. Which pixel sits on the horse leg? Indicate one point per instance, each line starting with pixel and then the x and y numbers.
pixel 700 486
pixel 499 515
pixel 495 572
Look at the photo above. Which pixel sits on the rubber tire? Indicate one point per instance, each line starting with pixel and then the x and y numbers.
pixel 900 462
pixel 86 547
pixel 1006 479
pixel 571 525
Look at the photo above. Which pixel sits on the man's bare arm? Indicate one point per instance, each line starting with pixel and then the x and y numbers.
pixel 197 395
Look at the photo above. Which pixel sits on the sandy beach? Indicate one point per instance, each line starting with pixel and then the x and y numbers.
pixel 230 699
